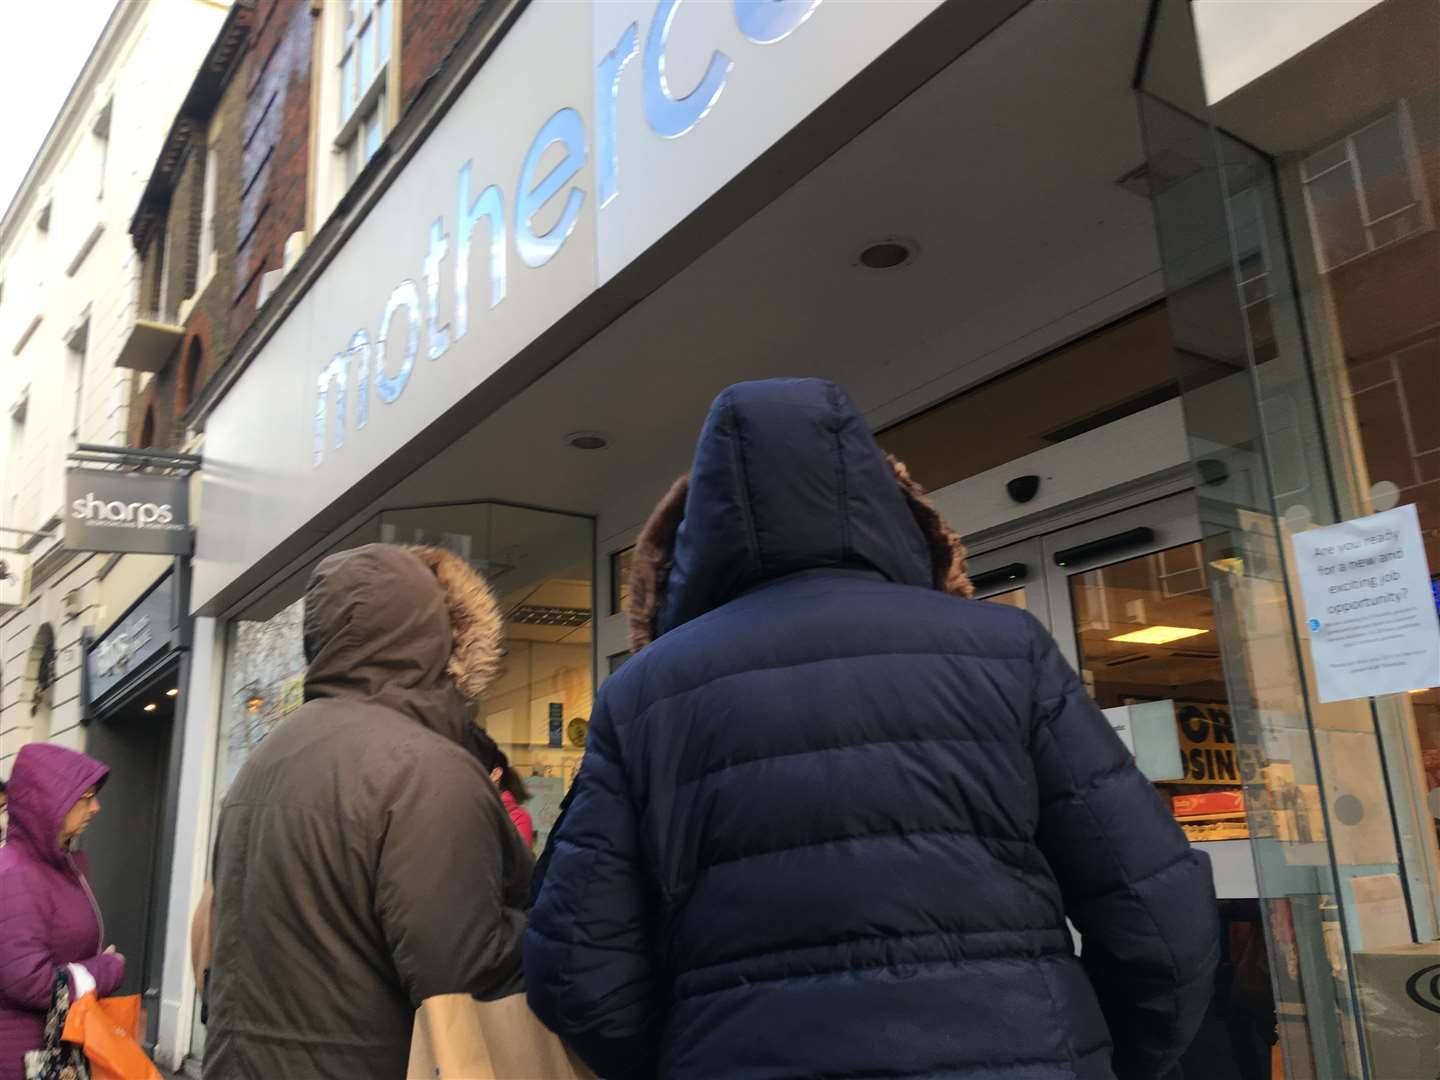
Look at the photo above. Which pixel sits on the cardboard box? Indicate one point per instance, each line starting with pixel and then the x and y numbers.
pixel 1400 1010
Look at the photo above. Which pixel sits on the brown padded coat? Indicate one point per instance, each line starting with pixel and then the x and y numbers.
pixel 364 861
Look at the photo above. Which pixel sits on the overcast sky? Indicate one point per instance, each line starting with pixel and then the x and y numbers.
pixel 43 46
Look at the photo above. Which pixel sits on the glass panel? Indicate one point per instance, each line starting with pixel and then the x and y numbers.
pixel 347 86
pixel 373 130
pixel 1364 770
pixel 1248 398
pixel 540 565
pixel 1384 167
pixel 1014 598
pixel 1326 159
pixel 367 56
pixel 1336 207
pixel 620 563
pixel 383 15
pixel 1139 639
pixel 1146 635
pixel 1396 227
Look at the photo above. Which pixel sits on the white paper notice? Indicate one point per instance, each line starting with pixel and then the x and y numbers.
pixel 1369 607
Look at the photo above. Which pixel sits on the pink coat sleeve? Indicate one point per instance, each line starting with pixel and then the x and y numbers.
pixel 521 817
pixel 109 972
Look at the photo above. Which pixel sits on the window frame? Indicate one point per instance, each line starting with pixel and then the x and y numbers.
pixel 1419 200
pixel 619 583
pixel 370 104
pixel 207 260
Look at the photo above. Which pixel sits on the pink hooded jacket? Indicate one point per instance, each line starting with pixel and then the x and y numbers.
pixel 48 915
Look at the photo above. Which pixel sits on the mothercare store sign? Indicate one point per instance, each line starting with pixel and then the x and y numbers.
pixel 589 134
pixel 1369 606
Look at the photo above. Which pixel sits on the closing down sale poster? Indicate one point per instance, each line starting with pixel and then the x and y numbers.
pixel 1369 608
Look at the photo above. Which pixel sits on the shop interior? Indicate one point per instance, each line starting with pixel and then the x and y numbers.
pixel 129 871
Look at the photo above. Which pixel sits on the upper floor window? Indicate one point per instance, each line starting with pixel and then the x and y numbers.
pixel 206 262
pixel 1365 191
pixel 100 128
pixel 76 344
pixel 194 364
pixel 364 67
pixel 147 429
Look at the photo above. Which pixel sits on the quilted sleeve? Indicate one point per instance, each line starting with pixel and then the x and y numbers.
pixel 27 968
pixel 1141 897
pixel 589 970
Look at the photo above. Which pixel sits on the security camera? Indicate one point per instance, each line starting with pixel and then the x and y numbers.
pixel 1023 488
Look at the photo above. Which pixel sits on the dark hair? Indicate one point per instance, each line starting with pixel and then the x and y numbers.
pixel 492 757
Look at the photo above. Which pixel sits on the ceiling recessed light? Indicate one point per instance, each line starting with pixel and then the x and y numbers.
pixel 1159 635
pixel 150 707
pixel 587 440
pixel 888 254
pixel 174 691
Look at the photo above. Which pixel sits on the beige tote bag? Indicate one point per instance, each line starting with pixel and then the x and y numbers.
pixel 459 1038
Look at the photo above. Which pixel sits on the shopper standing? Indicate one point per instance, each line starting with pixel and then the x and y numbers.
pixel 48 914
pixel 364 860
pixel 505 777
pixel 831 820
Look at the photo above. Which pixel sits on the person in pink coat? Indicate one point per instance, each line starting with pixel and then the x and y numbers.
pixel 504 777
pixel 48 914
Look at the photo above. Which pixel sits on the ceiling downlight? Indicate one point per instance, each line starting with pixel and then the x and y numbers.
pixel 892 253
pixel 587 440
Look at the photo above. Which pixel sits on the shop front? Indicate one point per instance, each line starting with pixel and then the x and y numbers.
pixel 134 675
pixel 982 240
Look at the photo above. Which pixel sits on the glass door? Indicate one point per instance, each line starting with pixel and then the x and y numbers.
pixel 1013 575
pixel 1128 598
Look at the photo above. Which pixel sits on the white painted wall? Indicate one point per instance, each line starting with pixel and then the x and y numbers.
pixel 143 64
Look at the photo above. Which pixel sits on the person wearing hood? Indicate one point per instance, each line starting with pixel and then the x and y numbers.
pixel 48 914
pixel 364 861
pixel 833 815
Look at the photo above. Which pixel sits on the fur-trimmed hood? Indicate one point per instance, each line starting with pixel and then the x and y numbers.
pixel 787 477
pixel 414 628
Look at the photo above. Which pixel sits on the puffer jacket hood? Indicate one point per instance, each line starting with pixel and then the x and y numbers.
pixel 45 783
pixel 413 629
pixel 735 521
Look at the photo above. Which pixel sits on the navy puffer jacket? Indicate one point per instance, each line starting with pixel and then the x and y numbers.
pixel 832 821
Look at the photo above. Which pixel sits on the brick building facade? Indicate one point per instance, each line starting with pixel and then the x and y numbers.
pixel 252 116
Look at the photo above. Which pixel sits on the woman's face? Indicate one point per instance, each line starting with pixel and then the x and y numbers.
pixel 79 816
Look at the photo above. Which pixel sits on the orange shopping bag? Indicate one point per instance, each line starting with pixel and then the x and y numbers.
pixel 108 1030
